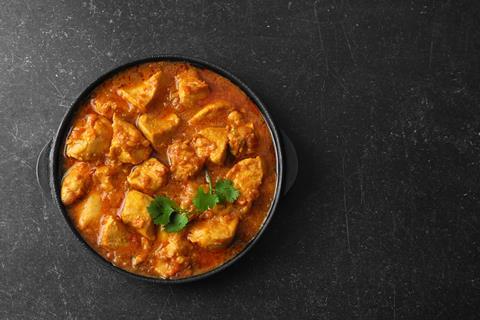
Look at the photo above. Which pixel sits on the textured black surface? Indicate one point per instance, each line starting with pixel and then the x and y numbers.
pixel 381 98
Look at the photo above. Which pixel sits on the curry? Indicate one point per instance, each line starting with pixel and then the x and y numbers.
pixel 169 170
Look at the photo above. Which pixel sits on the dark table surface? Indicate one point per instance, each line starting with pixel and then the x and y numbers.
pixel 382 100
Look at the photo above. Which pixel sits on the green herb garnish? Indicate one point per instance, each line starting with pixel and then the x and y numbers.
pixel 205 200
pixel 164 211
pixel 224 192
pixel 161 208
pixel 177 222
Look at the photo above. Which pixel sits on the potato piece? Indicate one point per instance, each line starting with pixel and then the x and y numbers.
pixel 135 214
pixel 172 258
pixel 247 176
pixel 215 146
pixel 90 210
pixel 213 233
pixel 75 182
pixel 155 128
pixel 190 87
pixel 211 111
pixel 184 163
pixel 241 135
pixel 90 139
pixel 128 144
pixel 141 94
pixel 113 234
pixel 149 176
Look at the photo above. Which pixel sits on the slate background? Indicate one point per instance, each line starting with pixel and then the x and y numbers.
pixel 381 99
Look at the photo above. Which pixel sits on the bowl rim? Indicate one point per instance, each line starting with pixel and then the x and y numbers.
pixel 64 129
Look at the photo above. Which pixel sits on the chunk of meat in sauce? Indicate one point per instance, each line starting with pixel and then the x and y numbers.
pixel 113 234
pixel 213 233
pixel 155 128
pixel 184 163
pixel 211 112
pixel 104 106
pixel 191 88
pixel 90 138
pixel 141 94
pixel 241 135
pixel 188 193
pixel 134 213
pixel 247 176
pixel 110 179
pixel 211 143
pixel 108 176
pixel 142 254
pixel 90 210
pixel 190 117
pixel 172 258
pixel 75 182
pixel 148 176
pixel 106 103
pixel 128 143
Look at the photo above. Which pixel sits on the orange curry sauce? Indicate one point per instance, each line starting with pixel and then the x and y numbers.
pixel 164 255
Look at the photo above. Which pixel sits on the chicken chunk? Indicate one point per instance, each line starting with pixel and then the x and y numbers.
pixel 247 176
pixel 75 182
pixel 211 143
pixel 141 94
pixel 241 135
pixel 149 176
pixel 109 176
pixel 190 87
pixel 90 210
pixel 104 107
pixel 128 144
pixel 184 163
pixel 90 139
pixel 173 244
pixel 105 102
pixel 135 214
pixel 113 234
pixel 212 111
pixel 172 258
pixel 142 254
pixel 155 128
pixel 189 191
pixel 213 233
pixel 111 179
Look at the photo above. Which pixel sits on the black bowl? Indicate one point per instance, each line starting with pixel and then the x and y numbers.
pixel 49 171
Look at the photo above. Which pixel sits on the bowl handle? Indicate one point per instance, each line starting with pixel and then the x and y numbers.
pixel 43 171
pixel 290 163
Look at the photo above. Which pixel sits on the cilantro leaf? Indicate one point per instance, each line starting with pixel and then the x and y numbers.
pixel 161 208
pixel 164 211
pixel 204 201
pixel 225 191
pixel 177 222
